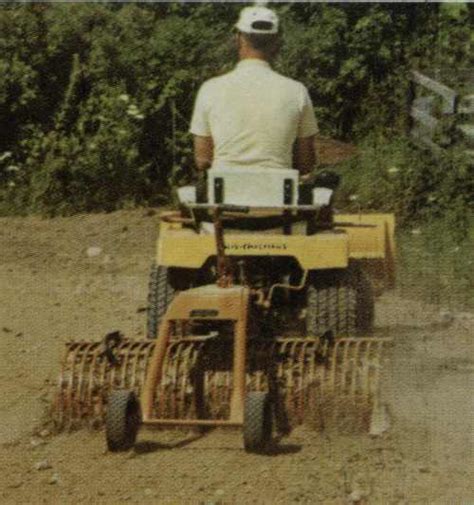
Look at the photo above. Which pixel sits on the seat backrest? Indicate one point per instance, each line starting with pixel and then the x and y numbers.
pixel 256 187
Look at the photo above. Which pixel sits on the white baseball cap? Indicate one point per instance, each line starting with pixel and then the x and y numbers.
pixel 257 20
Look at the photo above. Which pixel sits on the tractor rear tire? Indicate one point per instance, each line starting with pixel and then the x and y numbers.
pixel 365 303
pixel 160 295
pixel 122 420
pixel 257 421
pixel 341 302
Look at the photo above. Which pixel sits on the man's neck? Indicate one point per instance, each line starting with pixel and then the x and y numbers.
pixel 249 54
pixel 254 61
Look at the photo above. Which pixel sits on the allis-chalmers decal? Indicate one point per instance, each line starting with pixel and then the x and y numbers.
pixel 248 246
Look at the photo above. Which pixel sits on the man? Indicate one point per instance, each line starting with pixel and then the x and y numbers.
pixel 253 116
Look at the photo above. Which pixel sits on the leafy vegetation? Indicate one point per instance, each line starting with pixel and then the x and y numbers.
pixel 436 264
pixel 392 175
pixel 95 99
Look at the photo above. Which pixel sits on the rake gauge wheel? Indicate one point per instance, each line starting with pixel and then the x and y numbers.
pixel 122 420
pixel 160 295
pixel 257 421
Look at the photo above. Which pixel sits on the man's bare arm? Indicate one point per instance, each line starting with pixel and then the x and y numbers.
pixel 203 152
pixel 304 155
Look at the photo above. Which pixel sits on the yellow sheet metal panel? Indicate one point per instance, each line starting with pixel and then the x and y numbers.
pixel 187 249
pixel 370 235
pixel 209 302
pixel 366 242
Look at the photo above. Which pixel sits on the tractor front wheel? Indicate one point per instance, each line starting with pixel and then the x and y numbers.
pixel 122 420
pixel 257 421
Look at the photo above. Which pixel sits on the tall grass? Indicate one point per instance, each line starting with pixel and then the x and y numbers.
pixel 436 265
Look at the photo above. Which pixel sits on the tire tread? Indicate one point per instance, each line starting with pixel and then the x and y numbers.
pixel 122 420
pixel 257 421
pixel 342 302
pixel 160 295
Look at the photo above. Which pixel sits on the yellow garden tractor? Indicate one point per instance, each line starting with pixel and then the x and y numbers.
pixel 261 304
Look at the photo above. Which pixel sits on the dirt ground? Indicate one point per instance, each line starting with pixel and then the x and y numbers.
pixel 52 291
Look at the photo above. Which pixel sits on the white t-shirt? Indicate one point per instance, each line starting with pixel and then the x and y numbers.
pixel 253 115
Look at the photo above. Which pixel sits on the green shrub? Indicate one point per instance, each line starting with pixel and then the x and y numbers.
pixel 393 175
pixel 77 146
pixel 435 262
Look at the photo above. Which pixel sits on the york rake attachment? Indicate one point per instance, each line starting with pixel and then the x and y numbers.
pixel 87 377
pixel 328 382
pixel 317 381
pixel 347 388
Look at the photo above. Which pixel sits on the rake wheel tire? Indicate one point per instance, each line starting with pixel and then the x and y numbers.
pixel 340 301
pixel 122 420
pixel 160 295
pixel 257 421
